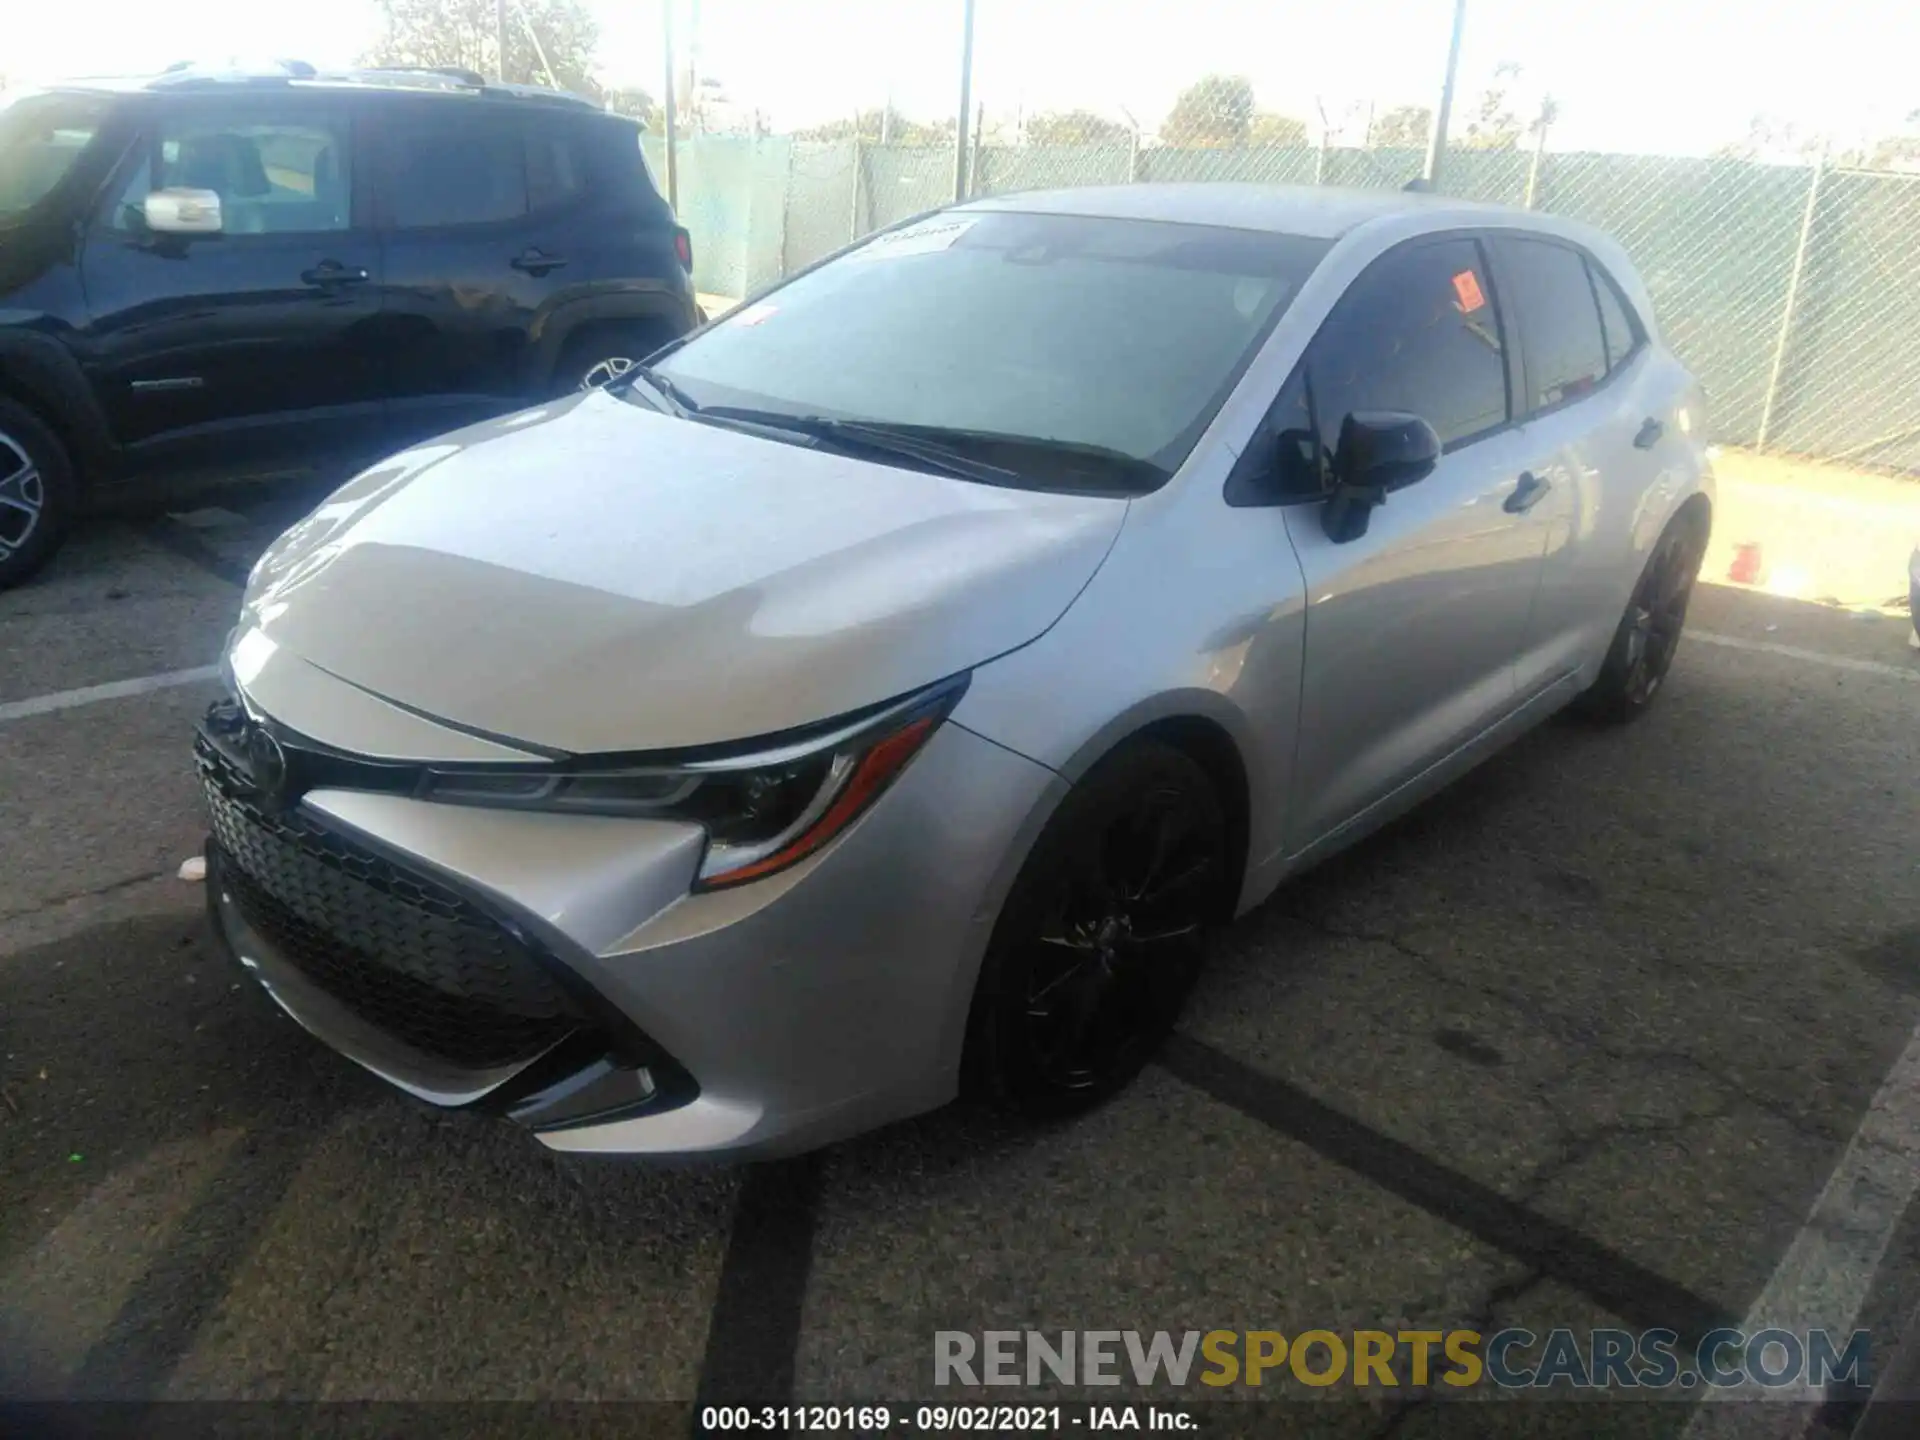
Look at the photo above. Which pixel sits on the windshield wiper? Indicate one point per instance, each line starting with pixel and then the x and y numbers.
pixel 663 392
pixel 873 437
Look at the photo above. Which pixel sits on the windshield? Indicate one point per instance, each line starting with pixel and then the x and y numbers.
pixel 1078 334
pixel 40 138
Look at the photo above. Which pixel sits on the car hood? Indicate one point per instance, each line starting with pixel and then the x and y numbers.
pixel 593 576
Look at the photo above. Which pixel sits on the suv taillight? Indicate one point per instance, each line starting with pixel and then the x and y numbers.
pixel 683 247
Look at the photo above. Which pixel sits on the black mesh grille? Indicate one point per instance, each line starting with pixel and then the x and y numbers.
pixel 403 951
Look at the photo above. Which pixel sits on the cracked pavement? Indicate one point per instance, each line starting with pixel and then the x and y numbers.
pixel 1577 1043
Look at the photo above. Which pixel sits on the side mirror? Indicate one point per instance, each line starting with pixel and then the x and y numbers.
pixel 1380 451
pixel 183 212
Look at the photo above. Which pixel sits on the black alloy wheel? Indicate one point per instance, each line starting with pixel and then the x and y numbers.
pixel 1649 634
pixel 1102 936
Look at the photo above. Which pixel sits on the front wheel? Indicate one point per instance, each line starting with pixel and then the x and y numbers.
pixel 1100 939
pixel 1649 633
pixel 36 493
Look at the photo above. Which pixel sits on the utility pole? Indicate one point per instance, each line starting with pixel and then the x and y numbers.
pixel 965 112
pixel 1437 142
pixel 500 40
pixel 673 162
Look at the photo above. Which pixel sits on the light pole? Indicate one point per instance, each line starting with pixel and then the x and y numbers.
pixel 966 104
pixel 673 163
pixel 1437 142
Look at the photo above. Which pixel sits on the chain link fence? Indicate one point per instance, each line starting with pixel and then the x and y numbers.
pixel 1791 285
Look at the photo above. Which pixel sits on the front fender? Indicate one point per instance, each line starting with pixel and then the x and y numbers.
pixel 41 373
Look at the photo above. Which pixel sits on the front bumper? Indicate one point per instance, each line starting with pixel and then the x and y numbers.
pixel 769 1018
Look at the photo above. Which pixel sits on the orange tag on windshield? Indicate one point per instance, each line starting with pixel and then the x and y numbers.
pixel 1467 287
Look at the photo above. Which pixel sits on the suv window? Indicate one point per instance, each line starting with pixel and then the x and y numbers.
pixel 1622 338
pixel 440 173
pixel 273 176
pixel 1559 321
pixel 40 138
pixel 556 166
pixel 1418 332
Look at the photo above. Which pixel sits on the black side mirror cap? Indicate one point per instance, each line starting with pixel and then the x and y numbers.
pixel 1380 451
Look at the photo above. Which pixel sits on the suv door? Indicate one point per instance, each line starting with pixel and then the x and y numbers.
pixel 1412 627
pixel 1594 414
pixel 470 267
pixel 252 349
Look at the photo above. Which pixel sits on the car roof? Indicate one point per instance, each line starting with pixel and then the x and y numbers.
pixel 187 78
pixel 1317 211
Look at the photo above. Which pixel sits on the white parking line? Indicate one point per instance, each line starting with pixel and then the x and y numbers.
pixel 1816 657
pixel 112 690
pixel 1823 1280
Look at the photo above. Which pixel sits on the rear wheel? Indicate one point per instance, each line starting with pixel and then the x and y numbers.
pixel 36 493
pixel 603 354
pixel 1101 938
pixel 1649 634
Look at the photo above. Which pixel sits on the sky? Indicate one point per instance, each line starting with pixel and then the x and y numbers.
pixel 1659 76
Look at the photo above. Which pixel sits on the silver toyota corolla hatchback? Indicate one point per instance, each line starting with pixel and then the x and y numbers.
pixel 882 693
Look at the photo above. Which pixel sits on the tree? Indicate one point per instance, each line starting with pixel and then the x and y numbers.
pixel 1075 127
pixel 635 104
pixel 894 127
pixel 1405 127
pixel 1492 125
pixel 542 35
pixel 1276 130
pixel 1216 110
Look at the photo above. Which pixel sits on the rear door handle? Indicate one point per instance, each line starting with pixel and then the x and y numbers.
pixel 1528 493
pixel 536 262
pixel 1650 432
pixel 331 272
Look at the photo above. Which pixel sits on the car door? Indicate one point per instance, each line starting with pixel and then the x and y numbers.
pixel 470 267
pixel 1594 417
pixel 1412 627
pixel 254 348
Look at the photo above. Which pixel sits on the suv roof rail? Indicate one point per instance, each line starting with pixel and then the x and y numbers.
pixel 451 72
pixel 183 72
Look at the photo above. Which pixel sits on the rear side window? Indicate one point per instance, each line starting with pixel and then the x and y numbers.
pixel 440 174
pixel 556 166
pixel 1559 320
pixel 1622 338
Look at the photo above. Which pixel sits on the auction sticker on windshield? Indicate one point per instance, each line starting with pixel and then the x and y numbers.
pixel 914 240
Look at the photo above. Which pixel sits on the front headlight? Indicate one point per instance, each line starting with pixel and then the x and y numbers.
pixel 762 810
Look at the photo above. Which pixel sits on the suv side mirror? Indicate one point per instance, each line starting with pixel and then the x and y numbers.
pixel 183 212
pixel 1380 451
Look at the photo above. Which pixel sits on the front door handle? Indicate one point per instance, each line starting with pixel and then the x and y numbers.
pixel 1528 493
pixel 329 273
pixel 1650 432
pixel 536 262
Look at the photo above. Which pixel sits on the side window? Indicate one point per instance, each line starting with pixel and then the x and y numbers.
pixel 443 174
pixel 1417 332
pixel 1566 356
pixel 556 167
pixel 274 176
pixel 1622 338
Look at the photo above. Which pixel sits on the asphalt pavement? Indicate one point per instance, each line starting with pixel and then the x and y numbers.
pixel 1580 1043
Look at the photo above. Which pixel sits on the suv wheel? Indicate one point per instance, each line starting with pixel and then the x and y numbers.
pixel 36 493
pixel 603 355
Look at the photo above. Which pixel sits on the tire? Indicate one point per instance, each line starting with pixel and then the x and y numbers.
pixel 1101 936
pixel 1644 645
pixel 37 493
pixel 604 353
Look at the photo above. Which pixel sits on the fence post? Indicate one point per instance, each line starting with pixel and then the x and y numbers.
pixel 1133 154
pixel 1320 157
pixel 1533 166
pixel 1792 302
pixel 853 218
pixel 961 117
pixel 673 159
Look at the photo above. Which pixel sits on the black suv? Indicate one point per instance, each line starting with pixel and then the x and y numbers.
pixel 235 276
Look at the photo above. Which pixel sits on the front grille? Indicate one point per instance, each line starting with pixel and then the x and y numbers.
pixel 400 949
